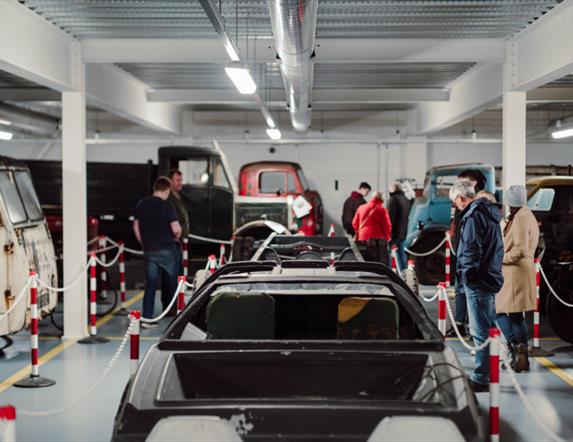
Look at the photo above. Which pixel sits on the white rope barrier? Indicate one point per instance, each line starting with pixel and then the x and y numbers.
pixel 188 284
pixel 551 288
pixel 434 250
pixel 113 261
pixel 20 296
pixel 459 335
pixel 93 240
pixel 125 249
pixel 212 240
pixel 103 249
pixel 110 366
pixel 432 299
pixel 72 284
pixel 164 313
pixel 450 243
pixel 523 397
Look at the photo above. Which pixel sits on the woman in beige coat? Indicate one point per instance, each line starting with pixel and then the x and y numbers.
pixel 518 294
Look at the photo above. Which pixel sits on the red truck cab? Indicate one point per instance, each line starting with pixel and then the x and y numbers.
pixel 282 179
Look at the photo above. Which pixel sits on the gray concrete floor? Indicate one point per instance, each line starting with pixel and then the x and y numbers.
pixel 75 367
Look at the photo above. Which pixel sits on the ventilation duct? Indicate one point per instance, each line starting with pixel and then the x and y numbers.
pixel 294 29
pixel 24 120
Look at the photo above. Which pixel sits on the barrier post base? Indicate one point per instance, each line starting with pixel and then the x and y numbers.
pixel 34 382
pixel 93 340
pixel 120 312
pixel 539 352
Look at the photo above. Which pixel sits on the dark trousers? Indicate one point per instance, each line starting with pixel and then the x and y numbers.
pixel 160 265
pixel 513 327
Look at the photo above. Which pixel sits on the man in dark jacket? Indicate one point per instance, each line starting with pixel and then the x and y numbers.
pixel 478 180
pixel 480 258
pixel 399 210
pixel 352 203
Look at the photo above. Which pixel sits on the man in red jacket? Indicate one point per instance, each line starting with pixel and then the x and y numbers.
pixel 372 220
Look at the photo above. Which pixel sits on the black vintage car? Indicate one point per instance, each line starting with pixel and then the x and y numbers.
pixel 299 350
pixel 551 200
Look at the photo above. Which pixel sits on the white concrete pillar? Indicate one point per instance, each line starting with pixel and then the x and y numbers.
pixel 514 124
pixel 414 159
pixel 74 200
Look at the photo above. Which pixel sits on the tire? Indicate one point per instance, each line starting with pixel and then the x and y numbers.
pixel 110 304
pixel 560 316
pixel 411 280
pixel 430 269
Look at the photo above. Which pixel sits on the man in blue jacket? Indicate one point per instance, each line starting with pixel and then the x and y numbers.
pixel 480 258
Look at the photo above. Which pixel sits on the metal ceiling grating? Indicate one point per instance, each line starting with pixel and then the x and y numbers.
pixel 326 75
pixel 336 18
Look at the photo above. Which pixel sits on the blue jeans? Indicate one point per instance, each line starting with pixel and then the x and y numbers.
pixel 400 254
pixel 461 316
pixel 513 327
pixel 159 265
pixel 481 311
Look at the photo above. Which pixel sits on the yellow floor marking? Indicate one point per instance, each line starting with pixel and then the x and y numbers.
pixel 7 383
pixel 559 372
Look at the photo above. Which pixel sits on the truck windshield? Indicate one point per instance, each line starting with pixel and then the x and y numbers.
pixel 195 171
pixel 12 200
pixel 29 197
pixel 302 179
pixel 443 184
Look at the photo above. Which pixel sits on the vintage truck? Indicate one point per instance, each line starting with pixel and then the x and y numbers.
pixel 430 217
pixel 267 191
pixel 551 200
pixel 26 246
pixel 218 208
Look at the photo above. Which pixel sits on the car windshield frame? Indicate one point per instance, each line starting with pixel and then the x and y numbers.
pixel 405 300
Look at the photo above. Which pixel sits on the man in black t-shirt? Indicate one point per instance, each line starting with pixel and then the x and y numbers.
pixel 157 229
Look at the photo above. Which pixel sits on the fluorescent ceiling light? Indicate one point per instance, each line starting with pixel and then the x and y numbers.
pixel 7 136
pixel 274 134
pixel 270 122
pixel 5 122
pixel 562 133
pixel 241 78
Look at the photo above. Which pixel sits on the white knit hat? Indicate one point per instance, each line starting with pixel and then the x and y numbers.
pixel 516 196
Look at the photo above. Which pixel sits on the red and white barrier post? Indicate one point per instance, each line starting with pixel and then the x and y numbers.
pixel 122 290
pixel 185 260
pixel 135 316
pixel 536 349
pixel 494 350
pixel 448 262
pixel 8 423
pixel 331 231
pixel 411 265
pixel 221 255
pixel 181 294
pixel 212 264
pixel 102 243
pixel 442 309
pixel 34 380
pixel 93 338
pixel 394 253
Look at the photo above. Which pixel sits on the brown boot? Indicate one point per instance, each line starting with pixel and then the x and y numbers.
pixel 521 361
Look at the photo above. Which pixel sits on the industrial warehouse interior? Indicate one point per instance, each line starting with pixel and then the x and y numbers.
pixel 305 220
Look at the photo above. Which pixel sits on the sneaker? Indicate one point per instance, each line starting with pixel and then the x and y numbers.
pixel 148 325
pixel 477 387
pixel 521 361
